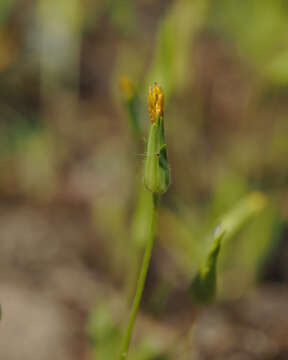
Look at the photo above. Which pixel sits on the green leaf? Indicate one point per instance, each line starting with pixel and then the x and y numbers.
pixel 204 287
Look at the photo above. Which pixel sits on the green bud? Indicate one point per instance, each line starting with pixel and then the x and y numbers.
pixel 157 172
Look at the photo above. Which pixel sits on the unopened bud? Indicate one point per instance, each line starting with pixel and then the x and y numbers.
pixel 157 172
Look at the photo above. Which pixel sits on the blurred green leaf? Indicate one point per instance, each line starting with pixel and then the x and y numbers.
pixel 204 286
pixel 103 333
pixel 258 242
pixel 240 257
pixel 265 27
pixel 177 30
pixel 6 7
pixel 122 14
pixel 277 68
pixel 233 220
pixel 147 349
pixel 229 189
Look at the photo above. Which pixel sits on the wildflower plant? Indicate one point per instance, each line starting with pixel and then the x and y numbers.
pixel 203 287
pixel 156 180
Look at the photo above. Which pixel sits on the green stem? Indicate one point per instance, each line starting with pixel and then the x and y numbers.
pixel 141 281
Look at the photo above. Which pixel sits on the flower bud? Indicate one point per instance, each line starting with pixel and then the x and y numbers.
pixel 157 172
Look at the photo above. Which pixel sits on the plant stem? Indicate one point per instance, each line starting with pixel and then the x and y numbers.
pixel 141 280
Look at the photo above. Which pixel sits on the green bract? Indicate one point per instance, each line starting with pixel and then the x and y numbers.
pixel 157 173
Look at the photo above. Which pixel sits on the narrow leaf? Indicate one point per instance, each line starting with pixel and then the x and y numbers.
pixel 204 286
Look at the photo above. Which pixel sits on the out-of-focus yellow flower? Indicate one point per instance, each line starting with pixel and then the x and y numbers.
pixel 127 87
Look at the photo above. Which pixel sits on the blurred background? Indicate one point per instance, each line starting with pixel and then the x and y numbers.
pixel 74 76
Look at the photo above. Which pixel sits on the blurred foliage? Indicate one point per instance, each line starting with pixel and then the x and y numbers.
pixel 6 7
pixel 176 33
pixel 104 336
pixel 65 134
pixel 204 286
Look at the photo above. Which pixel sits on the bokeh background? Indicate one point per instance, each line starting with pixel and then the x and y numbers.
pixel 70 169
